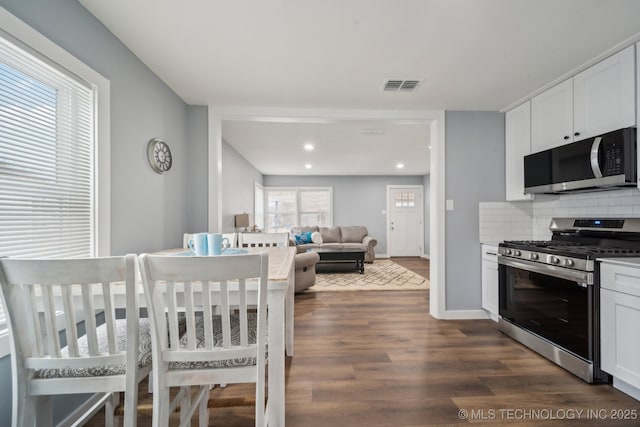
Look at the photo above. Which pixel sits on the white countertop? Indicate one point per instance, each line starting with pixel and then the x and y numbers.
pixel 626 262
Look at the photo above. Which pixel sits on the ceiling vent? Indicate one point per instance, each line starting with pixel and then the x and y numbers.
pixel 398 85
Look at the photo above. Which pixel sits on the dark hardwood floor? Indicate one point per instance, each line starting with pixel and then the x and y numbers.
pixel 379 359
pixel 416 264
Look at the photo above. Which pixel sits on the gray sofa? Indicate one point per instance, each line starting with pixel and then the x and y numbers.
pixel 305 270
pixel 355 236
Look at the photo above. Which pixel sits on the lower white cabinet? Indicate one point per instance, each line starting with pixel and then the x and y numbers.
pixel 620 325
pixel 490 279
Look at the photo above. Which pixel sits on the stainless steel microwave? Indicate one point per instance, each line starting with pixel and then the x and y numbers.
pixel 599 163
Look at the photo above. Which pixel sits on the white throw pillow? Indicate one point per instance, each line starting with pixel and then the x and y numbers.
pixel 316 237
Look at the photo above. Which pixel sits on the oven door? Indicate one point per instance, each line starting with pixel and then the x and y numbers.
pixel 552 302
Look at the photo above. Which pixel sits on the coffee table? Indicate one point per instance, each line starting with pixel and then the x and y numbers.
pixel 331 255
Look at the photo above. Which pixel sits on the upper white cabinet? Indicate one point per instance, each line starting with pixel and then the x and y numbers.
pixel 517 145
pixel 552 117
pixel 598 100
pixel 604 96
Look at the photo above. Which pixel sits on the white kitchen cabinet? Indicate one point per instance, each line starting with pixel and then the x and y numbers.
pixel 619 321
pixel 517 145
pixel 598 100
pixel 552 117
pixel 490 280
pixel 604 96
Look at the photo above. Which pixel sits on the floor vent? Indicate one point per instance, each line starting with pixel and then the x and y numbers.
pixel 397 85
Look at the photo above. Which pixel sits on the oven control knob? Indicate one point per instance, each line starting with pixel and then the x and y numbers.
pixel 554 260
pixel 568 262
pixel 516 253
pixel 507 251
pixel 533 256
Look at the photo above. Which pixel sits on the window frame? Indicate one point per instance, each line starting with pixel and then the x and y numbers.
pixel 18 32
pixel 298 212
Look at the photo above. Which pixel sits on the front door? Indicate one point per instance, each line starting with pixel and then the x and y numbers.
pixel 405 229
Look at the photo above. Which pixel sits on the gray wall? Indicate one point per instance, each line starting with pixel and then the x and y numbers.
pixel 357 200
pixel 147 209
pixel 474 150
pixel 238 180
pixel 197 160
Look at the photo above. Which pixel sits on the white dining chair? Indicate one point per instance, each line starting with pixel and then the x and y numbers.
pixel 224 341
pixel 232 238
pixel 45 296
pixel 259 240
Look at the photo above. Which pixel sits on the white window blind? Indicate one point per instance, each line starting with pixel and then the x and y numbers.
pixel 47 150
pixel 287 207
pixel 46 159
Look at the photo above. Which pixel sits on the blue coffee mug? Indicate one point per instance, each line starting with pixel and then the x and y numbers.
pixel 198 244
pixel 215 243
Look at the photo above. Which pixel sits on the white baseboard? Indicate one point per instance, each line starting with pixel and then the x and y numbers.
pixel 465 315
pixel 387 256
pixel 626 388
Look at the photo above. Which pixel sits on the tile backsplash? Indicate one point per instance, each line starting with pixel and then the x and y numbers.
pixel 505 221
pixel 530 220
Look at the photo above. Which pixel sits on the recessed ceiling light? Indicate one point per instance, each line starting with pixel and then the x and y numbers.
pixel 400 165
pixel 308 166
pixel 308 146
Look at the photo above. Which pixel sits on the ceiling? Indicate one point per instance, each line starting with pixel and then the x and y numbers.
pixel 278 147
pixel 336 54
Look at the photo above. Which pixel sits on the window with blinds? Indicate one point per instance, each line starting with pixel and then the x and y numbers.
pixel 47 153
pixel 287 207
pixel 46 159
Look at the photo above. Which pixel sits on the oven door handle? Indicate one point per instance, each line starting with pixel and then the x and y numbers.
pixel 581 277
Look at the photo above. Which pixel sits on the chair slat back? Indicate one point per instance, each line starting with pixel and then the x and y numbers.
pixel 44 296
pixel 232 238
pixel 254 240
pixel 205 291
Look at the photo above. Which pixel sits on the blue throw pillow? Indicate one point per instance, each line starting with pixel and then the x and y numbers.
pixel 303 238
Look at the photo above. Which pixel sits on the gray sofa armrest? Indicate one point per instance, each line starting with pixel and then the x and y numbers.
pixel 369 241
pixel 305 272
pixel 306 259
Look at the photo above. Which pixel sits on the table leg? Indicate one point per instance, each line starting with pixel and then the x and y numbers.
pixel 276 304
pixel 289 311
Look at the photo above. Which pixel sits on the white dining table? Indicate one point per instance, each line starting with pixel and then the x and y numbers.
pixel 280 307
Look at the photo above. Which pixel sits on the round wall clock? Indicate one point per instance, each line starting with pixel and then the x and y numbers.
pixel 159 155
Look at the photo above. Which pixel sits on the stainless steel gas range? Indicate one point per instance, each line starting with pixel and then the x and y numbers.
pixel 550 290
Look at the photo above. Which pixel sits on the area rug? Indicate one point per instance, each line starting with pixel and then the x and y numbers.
pixel 382 275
